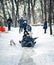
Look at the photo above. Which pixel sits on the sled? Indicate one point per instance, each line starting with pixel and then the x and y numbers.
pixel 29 44
pixel 2 29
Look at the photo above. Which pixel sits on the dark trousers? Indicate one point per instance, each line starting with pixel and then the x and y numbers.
pixel 9 27
pixel 44 30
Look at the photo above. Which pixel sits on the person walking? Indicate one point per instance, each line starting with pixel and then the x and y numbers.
pixel 9 21
pixel 21 22
pixel 45 26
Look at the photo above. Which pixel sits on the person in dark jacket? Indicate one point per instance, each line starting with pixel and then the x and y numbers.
pixel 28 28
pixel 24 25
pixel 45 26
pixel 24 39
pixel 21 22
pixel 9 21
pixel 27 41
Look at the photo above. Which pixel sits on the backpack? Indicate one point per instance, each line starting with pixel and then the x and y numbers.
pixel 28 28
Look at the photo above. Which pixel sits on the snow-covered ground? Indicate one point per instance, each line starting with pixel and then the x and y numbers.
pixel 41 54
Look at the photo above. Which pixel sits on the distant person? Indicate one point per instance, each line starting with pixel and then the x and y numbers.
pixel 21 22
pixel 9 22
pixel 25 17
pixel 45 26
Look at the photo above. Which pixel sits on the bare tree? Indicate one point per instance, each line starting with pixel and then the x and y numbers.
pixel 7 9
pixel 45 12
pixel 24 1
pixel 17 11
pixel 33 11
pixel 42 9
pixel 29 13
pixel 4 15
pixel 13 12
pixel 50 19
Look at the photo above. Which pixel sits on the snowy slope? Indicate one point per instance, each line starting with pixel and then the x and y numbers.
pixel 41 54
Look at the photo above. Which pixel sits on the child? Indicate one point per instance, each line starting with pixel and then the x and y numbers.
pixel 27 40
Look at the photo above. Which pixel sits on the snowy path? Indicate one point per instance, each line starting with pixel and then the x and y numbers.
pixel 41 54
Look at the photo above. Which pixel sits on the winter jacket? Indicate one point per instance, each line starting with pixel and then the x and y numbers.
pixel 28 28
pixel 45 25
pixel 24 26
pixel 27 41
pixel 9 21
pixel 21 22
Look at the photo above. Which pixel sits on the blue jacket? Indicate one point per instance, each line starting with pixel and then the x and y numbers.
pixel 21 22
pixel 28 28
pixel 45 25
pixel 27 41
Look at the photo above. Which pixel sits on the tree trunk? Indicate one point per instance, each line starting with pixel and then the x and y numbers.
pixel 50 20
pixel 24 6
pixel 17 12
pixel 29 14
pixel 41 2
pixel 3 9
pixel 7 9
pixel 45 10
pixel 13 12
pixel 33 14
pixel 53 17
pixel 53 9
pixel 33 11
